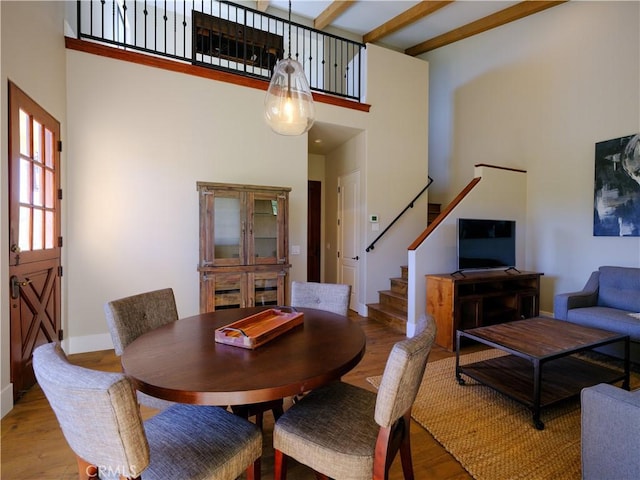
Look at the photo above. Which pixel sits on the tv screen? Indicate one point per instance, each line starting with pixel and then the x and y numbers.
pixel 486 243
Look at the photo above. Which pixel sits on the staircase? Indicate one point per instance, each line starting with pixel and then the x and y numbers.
pixel 392 306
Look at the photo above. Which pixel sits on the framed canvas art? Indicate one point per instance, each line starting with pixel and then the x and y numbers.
pixel 616 209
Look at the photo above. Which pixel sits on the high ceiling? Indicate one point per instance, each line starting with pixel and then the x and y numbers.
pixel 413 27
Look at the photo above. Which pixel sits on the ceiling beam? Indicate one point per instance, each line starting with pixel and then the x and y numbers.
pixel 262 5
pixel 415 13
pixel 515 12
pixel 333 11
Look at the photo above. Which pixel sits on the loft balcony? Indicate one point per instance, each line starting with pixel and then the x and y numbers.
pixel 224 36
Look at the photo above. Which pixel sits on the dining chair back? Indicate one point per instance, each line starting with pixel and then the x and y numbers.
pixel 331 297
pixel 101 421
pixel 346 432
pixel 130 317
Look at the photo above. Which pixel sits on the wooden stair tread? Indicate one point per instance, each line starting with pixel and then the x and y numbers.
pixel 391 311
pixel 392 293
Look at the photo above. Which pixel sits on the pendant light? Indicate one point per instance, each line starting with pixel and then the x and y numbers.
pixel 288 106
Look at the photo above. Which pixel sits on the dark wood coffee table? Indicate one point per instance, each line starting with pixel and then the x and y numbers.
pixel 541 369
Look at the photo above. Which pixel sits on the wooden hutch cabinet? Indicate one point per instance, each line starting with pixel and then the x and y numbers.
pixel 244 259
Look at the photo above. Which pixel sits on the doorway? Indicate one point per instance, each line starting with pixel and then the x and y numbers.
pixel 35 242
pixel 314 230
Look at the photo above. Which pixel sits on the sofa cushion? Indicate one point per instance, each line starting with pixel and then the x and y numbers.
pixel 620 288
pixel 611 319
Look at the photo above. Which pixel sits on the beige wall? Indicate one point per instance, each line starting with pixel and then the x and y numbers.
pixel 537 94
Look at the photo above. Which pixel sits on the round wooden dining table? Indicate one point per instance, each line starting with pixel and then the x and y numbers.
pixel 182 362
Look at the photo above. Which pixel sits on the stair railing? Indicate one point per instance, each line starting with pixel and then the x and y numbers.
pixel 372 246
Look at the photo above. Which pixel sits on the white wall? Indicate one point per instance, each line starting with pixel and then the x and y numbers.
pixel 502 195
pixel 32 57
pixel 537 94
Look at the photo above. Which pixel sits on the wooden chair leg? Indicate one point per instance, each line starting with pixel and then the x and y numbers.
pixel 279 465
pixel 254 470
pixel 86 470
pixel 405 448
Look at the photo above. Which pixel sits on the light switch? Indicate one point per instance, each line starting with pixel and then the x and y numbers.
pixel 295 249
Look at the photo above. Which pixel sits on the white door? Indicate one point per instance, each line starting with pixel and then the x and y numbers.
pixel 349 233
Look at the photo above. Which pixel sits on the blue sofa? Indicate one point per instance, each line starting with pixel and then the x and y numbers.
pixel 608 301
pixel 610 441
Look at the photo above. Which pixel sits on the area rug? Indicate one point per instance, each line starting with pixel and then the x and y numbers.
pixel 492 436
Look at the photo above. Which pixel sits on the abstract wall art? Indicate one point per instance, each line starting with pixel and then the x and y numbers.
pixel 616 199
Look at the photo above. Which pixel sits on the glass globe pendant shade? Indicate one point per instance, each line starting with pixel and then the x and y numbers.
pixel 288 106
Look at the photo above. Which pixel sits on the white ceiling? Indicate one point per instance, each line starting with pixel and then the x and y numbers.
pixel 451 21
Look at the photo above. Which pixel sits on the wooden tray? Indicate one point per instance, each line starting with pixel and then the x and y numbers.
pixel 258 329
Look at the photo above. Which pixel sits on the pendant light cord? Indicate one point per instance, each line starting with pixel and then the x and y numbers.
pixel 289 28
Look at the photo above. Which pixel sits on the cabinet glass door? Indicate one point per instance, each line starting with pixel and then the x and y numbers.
pixel 265 243
pixel 227 229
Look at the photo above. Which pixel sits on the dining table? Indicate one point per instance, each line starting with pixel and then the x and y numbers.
pixel 182 362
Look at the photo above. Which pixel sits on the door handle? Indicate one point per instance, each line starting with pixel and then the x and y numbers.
pixel 15 286
pixel 355 258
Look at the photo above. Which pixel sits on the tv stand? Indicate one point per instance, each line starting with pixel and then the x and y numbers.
pixel 476 299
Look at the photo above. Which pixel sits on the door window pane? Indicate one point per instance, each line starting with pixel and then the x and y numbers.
pixel 37 141
pixel 25 181
pixel 49 229
pixel 38 229
pixel 49 187
pixel 25 134
pixel 48 148
pixel 37 185
pixel 24 234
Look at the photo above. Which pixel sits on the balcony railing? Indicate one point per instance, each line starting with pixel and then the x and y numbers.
pixel 224 36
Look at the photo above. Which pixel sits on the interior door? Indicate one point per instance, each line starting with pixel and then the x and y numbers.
pixel 349 233
pixel 34 233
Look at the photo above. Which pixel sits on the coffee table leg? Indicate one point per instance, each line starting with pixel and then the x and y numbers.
pixel 627 364
pixel 458 376
pixel 537 380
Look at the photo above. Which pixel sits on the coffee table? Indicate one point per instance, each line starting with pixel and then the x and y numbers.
pixel 541 368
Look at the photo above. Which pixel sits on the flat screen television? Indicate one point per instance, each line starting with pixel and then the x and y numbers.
pixel 486 244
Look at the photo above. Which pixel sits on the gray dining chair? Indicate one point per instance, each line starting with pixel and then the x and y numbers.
pixel 331 297
pixel 130 317
pixel 345 432
pixel 101 421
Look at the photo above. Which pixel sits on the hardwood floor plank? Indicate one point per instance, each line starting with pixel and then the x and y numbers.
pixel 33 446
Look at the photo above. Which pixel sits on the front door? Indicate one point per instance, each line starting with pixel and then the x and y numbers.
pixel 34 233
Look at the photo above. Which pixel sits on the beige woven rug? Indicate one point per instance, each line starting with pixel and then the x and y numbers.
pixel 492 436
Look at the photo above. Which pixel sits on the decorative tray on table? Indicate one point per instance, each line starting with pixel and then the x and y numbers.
pixel 259 328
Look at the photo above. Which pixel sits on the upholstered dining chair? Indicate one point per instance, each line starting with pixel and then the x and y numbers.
pixel 101 421
pixel 332 297
pixel 345 432
pixel 130 317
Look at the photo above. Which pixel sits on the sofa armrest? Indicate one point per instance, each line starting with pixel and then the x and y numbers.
pixel 610 426
pixel 587 297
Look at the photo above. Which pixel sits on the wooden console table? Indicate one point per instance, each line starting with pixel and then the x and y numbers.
pixel 476 299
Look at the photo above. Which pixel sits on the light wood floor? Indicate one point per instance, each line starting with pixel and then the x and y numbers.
pixel 33 446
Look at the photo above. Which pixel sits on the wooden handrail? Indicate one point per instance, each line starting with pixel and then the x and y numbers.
pixel 432 226
pixel 372 246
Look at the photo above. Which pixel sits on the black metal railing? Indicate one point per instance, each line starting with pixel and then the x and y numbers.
pixel 372 246
pixel 224 36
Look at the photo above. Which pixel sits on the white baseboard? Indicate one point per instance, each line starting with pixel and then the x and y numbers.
pixel 87 343
pixel 6 399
